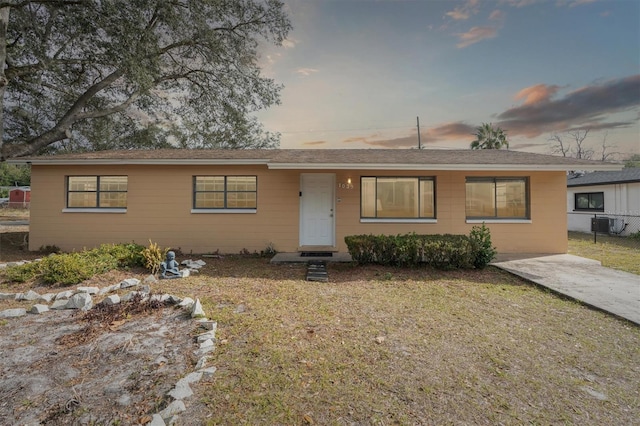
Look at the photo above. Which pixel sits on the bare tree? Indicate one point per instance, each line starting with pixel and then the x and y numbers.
pixel 581 151
pixel 559 146
pixel 572 143
pixel 605 155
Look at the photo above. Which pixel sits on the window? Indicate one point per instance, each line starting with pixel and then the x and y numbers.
pixel 590 201
pixel 397 198
pixel 104 192
pixel 497 198
pixel 225 192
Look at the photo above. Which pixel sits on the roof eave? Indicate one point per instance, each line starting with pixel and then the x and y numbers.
pixel 120 162
pixel 454 167
pixel 617 182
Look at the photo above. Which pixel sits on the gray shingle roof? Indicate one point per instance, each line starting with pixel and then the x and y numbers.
pixel 604 178
pixel 334 158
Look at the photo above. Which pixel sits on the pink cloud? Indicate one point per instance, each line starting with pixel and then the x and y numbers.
pixel 314 143
pixel 289 43
pixel 474 35
pixel 588 106
pixel 306 71
pixel 464 12
pixel 522 3
pixel 581 2
pixel 454 131
pixel 450 131
pixel 537 93
pixel 496 15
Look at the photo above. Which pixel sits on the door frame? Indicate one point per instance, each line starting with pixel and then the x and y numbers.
pixel 331 179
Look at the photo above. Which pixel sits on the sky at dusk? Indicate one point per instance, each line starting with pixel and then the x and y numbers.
pixel 357 73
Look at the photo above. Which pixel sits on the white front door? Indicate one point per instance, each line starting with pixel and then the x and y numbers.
pixel 317 209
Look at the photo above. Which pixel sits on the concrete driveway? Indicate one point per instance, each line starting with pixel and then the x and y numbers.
pixel 586 280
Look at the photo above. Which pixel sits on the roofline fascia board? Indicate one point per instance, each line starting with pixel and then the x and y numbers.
pixel 618 182
pixel 457 167
pixel 139 162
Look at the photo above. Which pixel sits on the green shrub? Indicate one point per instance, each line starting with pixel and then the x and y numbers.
pixel 126 255
pixel 22 273
pixel 635 235
pixel 439 251
pixel 484 250
pixel 73 268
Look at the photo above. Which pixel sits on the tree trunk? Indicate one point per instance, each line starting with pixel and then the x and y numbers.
pixel 4 24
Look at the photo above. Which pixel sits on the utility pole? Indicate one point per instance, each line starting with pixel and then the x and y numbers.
pixel 418 123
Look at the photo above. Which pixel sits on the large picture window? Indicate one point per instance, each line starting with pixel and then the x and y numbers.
pixel 104 192
pixel 590 201
pixel 397 198
pixel 225 192
pixel 497 198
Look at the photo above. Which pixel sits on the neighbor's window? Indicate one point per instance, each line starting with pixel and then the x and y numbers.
pixel 497 198
pixel 590 201
pixel 398 197
pixel 225 192
pixel 105 192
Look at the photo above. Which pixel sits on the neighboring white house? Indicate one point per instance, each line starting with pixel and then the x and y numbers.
pixel 612 197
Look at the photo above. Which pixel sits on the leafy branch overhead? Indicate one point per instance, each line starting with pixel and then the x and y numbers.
pixel 134 73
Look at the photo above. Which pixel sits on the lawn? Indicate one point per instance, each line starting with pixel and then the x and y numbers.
pixel 612 252
pixel 383 346
pixel 395 346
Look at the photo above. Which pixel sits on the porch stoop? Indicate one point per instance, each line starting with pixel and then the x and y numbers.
pixel 338 257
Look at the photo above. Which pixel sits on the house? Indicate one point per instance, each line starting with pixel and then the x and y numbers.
pixel 610 197
pixel 202 201
pixel 19 197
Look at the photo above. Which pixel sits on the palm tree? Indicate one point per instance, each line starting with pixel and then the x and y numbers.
pixel 489 137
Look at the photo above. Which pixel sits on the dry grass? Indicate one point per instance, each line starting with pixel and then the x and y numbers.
pixel 612 252
pixel 9 214
pixel 405 346
pixel 391 346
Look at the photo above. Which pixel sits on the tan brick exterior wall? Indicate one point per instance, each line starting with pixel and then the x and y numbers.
pixel 159 205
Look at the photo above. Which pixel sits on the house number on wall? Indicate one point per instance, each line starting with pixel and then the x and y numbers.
pixel 345 185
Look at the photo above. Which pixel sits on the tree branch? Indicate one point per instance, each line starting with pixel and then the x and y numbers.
pixel 27 2
pixel 62 127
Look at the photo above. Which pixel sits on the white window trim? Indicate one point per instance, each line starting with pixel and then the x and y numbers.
pixel 93 210
pixel 391 220
pixel 218 211
pixel 499 221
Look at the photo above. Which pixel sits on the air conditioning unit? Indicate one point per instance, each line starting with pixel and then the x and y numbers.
pixel 616 226
pixel 600 224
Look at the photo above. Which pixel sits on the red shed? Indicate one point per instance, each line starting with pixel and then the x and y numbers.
pixel 20 197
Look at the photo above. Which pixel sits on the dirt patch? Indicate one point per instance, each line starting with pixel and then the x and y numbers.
pixel 59 368
pixel 14 244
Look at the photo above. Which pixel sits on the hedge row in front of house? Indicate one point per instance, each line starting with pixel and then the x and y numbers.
pixel 441 251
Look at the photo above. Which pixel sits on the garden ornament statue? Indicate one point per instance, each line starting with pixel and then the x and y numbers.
pixel 169 268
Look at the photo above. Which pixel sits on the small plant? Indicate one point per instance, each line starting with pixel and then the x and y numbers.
pixel 153 256
pixel 485 252
pixel 269 251
pixel 635 236
pixel 48 249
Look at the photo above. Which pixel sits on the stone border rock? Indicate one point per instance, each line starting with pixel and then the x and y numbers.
pixel 81 299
